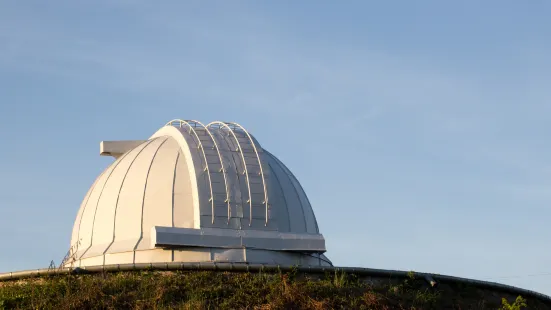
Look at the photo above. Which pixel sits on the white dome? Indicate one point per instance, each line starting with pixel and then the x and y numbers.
pixel 195 193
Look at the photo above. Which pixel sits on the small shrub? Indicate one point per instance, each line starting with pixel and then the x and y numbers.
pixel 340 279
pixel 517 305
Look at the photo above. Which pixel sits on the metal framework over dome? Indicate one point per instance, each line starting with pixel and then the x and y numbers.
pixel 195 193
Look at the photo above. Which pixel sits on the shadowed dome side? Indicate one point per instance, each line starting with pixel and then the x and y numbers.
pixel 195 193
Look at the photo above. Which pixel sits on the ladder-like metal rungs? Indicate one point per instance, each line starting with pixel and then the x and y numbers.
pixel 254 171
pixel 255 181
pixel 207 140
pixel 247 150
pixel 215 169
pixel 220 197
pixel 213 161
pixel 259 200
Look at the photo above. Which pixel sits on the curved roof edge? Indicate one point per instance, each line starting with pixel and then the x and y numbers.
pixel 432 279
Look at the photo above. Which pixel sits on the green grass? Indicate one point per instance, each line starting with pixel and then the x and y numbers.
pixel 225 290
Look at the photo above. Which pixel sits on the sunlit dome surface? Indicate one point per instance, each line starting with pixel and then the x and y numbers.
pixel 195 193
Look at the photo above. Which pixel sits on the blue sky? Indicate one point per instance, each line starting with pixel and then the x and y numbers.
pixel 418 129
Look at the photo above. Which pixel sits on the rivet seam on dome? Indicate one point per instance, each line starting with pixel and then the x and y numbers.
pixel 285 171
pixel 173 185
pixel 114 166
pixel 119 194
pixel 282 194
pixel 144 190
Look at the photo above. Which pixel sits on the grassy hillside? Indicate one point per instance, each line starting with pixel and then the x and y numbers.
pixel 225 290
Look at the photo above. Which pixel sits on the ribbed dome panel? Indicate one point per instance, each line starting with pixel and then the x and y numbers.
pixel 208 180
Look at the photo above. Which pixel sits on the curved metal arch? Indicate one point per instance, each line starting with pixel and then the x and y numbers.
pixel 244 165
pixel 259 164
pixel 206 168
pixel 222 168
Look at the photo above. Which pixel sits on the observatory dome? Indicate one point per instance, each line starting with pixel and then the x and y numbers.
pixel 195 193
